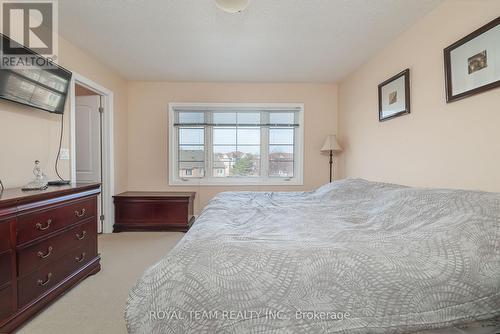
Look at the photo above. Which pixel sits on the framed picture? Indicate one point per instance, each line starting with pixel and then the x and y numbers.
pixel 472 65
pixel 394 96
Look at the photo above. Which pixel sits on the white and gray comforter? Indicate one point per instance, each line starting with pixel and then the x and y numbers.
pixel 351 257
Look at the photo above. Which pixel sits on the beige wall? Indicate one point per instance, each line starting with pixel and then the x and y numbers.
pixel 440 145
pixel 148 135
pixel 27 134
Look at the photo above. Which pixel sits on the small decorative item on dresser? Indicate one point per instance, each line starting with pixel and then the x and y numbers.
pixel 40 181
pixel 394 96
pixel 153 211
pixel 472 65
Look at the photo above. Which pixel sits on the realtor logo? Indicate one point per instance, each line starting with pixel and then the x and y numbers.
pixel 32 24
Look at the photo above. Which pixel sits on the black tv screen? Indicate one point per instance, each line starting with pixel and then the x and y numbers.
pixel 38 87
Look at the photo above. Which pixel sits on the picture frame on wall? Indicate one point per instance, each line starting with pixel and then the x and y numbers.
pixel 472 64
pixel 394 96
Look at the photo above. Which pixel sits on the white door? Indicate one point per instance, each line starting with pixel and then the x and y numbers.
pixel 88 142
pixel 88 139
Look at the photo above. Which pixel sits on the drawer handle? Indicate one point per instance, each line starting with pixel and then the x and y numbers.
pixel 46 255
pixel 81 236
pixel 47 280
pixel 81 213
pixel 80 258
pixel 40 227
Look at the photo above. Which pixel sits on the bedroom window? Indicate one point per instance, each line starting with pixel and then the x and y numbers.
pixel 223 144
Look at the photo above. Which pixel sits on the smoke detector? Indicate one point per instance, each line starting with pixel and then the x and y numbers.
pixel 232 6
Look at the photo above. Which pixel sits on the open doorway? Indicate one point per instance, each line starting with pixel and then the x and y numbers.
pixel 91 136
pixel 88 141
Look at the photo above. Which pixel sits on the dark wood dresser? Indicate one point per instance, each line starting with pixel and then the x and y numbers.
pixel 153 211
pixel 48 243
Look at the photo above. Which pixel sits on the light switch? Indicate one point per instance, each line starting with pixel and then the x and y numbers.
pixel 64 154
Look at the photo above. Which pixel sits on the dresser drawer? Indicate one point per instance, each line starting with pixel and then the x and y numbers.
pixel 150 212
pixel 49 250
pixel 4 235
pixel 5 267
pixel 37 224
pixel 5 302
pixel 42 280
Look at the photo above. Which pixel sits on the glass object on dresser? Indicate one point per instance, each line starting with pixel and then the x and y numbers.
pixel 40 182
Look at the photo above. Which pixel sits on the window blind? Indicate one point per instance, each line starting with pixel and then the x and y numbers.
pixel 221 117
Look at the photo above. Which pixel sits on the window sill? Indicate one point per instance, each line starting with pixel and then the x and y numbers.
pixel 234 183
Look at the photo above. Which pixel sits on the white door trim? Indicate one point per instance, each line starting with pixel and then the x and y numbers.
pixel 108 160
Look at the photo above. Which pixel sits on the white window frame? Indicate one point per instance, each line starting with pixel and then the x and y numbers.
pixel 209 180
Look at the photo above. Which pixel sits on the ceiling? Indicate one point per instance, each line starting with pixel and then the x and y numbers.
pixel 271 41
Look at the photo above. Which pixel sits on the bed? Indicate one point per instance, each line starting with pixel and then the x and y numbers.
pixel 353 256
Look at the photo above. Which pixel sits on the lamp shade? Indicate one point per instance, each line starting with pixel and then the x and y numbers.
pixel 331 144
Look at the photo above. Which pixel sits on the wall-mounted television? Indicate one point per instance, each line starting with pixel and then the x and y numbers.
pixel 43 88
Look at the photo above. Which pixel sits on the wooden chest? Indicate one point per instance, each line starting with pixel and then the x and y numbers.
pixel 48 243
pixel 153 211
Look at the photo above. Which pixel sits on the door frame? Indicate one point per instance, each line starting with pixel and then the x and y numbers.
pixel 108 160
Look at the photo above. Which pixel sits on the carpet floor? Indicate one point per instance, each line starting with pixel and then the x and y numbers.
pixel 97 304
